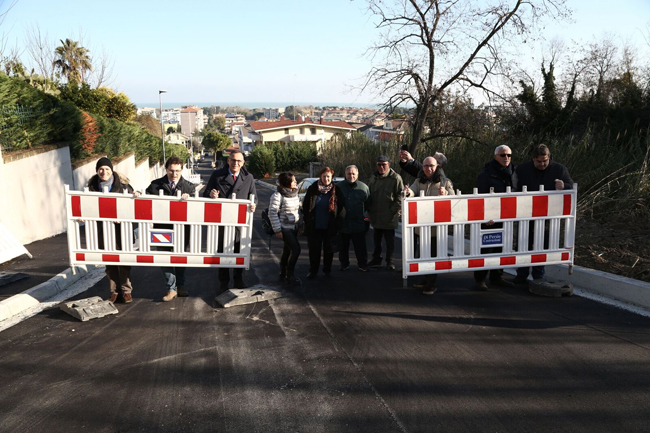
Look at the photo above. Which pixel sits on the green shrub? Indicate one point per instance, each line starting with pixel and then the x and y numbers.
pixel 261 161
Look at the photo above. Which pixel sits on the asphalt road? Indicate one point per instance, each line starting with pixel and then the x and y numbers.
pixel 354 353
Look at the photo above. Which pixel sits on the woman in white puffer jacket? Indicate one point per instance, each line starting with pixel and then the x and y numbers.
pixel 285 220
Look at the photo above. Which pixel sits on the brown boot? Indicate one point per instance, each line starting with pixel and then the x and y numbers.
pixel 112 298
pixel 170 295
pixel 127 298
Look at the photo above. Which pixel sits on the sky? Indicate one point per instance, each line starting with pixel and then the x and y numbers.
pixel 256 50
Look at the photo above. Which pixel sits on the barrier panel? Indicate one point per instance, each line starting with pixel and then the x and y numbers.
pixel 10 248
pixel 158 230
pixel 531 229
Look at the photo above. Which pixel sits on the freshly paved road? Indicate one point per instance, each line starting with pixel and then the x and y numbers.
pixel 355 353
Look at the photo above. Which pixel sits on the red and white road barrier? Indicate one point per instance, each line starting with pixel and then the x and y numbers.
pixel 434 220
pixel 158 230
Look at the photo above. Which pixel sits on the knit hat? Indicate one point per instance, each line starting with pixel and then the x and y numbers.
pixel 104 162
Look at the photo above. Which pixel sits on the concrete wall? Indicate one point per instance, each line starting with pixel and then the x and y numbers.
pixel 33 194
pixel 32 197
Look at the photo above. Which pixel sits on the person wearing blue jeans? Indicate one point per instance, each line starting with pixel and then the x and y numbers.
pixel 542 170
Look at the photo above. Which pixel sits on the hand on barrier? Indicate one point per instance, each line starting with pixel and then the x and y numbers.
pixel 253 207
pixel 136 194
pixel 489 223
pixel 559 184
pixel 185 196
pixel 407 191
pixel 214 193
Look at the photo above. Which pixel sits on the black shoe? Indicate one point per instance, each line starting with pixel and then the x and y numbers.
pixel 182 293
pixel 293 281
pixel 390 266
pixel 327 275
pixel 282 278
pixel 363 268
pixel 239 284
pixel 520 281
pixel 375 263
pixel 501 283
pixel 311 276
pixel 481 286
pixel 344 267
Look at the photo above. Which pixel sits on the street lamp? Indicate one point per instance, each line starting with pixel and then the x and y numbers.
pixel 162 127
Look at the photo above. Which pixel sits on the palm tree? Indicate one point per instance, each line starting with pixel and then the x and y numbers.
pixel 72 60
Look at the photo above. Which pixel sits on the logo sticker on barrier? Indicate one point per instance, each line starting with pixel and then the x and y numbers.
pixel 492 239
pixel 162 238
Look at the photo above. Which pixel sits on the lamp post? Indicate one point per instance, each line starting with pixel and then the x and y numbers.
pixel 162 127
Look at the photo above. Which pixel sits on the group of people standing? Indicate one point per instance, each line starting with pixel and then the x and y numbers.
pixel 333 215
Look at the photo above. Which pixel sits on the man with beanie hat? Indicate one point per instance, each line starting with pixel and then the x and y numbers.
pixel 115 183
pixel 384 205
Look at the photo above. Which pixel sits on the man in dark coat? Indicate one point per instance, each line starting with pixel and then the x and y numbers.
pixel 119 276
pixel 169 184
pixel 224 182
pixel 354 229
pixel 497 175
pixel 542 170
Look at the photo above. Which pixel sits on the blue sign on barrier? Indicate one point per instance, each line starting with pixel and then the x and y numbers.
pixel 492 239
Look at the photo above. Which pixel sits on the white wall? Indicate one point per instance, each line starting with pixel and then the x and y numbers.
pixel 33 195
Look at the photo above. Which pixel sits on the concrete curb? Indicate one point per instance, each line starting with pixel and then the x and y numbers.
pixel 44 291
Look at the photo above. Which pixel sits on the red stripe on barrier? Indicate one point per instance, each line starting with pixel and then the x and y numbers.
pixel 211 260
pixel 476 263
pixel 413 212
pixel 239 261
pixel 241 218
pixel 540 205
pixel 508 207
pixel 565 256
pixel 76 206
pixel 143 209
pixel 110 257
pixel 443 265
pixel 212 213
pixel 506 261
pixel 567 205
pixel 442 211
pixel 538 258
pixel 177 259
pixel 144 259
pixel 107 207
pixel 177 211
pixel 414 267
pixel 81 257
pixel 475 209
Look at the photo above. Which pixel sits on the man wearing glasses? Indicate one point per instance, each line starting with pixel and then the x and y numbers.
pixel 496 174
pixel 383 206
pixel 224 182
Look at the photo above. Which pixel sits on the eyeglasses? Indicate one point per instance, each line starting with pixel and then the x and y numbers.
pixel 237 161
pixel 382 163
pixel 429 166
pixel 505 155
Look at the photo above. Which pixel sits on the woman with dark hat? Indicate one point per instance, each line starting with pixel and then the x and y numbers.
pixel 106 178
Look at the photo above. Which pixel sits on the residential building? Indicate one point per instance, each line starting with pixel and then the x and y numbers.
pixel 177 138
pixel 148 111
pixel 289 131
pixel 272 113
pixel 191 120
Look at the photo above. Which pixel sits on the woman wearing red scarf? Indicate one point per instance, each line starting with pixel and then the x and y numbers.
pixel 322 207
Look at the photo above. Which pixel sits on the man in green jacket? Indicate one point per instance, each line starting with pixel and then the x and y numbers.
pixel 384 205
pixel 356 195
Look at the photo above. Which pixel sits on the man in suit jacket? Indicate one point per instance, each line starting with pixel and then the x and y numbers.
pixel 224 182
pixel 169 184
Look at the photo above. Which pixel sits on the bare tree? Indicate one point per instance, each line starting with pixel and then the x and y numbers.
pixel 429 47
pixel 102 69
pixel 600 65
pixel 40 49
